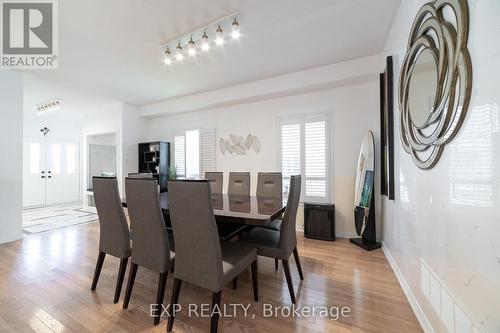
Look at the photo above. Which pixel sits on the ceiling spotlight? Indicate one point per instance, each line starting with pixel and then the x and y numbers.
pixel 167 59
pixel 178 52
pixel 191 47
pixel 236 30
pixel 205 46
pixel 219 39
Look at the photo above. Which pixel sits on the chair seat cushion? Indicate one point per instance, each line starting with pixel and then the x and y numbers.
pixel 267 242
pixel 272 225
pixel 235 259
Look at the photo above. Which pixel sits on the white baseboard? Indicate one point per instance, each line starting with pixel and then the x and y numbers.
pixel 345 235
pixel 419 313
pixel 11 237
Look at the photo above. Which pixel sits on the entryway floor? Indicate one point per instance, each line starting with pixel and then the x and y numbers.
pixel 43 219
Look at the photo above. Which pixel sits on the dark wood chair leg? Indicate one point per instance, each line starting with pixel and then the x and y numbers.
pixel 98 267
pixel 174 300
pixel 119 280
pixel 255 281
pixel 214 322
pixel 297 262
pixel 286 268
pixel 235 283
pixel 159 297
pixel 130 284
pixel 276 264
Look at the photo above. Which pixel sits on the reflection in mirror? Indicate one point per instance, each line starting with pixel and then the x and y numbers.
pixel 422 88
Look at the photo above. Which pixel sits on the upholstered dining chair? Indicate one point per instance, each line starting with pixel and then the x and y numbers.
pixel 239 183
pixel 114 238
pixel 200 257
pixel 280 244
pixel 151 246
pixel 215 179
pixel 269 184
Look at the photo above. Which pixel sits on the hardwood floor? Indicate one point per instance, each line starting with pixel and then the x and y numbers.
pixel 45 284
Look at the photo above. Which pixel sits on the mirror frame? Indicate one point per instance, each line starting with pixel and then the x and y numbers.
pixel 447 42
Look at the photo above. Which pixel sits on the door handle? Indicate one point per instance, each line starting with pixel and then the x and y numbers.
pixel 49 171
pixel 49 177
pixel 43 171
pixel 42 176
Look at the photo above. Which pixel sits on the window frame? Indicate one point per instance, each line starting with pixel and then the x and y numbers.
pixel 302 119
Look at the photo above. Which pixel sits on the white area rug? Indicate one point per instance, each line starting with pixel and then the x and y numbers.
pixel 37 220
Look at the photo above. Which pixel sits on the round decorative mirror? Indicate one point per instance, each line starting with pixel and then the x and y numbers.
pixel 436 80
pixel 422 88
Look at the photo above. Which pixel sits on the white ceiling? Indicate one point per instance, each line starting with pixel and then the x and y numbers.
pixel 111 50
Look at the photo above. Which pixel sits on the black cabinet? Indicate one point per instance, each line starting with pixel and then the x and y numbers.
pixel 154 157
pixel 319 221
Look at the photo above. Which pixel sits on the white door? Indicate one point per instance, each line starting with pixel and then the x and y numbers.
pixel 51 172
pixel 33 172
pixel 63 176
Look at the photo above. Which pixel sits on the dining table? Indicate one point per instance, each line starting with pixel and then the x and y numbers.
pixel 234 213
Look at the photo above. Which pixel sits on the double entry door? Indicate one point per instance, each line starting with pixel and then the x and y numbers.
pixel 51 171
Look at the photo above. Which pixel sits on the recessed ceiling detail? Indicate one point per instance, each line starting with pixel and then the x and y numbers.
pixel 214 34
pixel 436 80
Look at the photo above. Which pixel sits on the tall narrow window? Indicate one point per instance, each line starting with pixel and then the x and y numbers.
pixel 34 149
pixel 70 158
pixel 180 155
pixel 304 150
pixel 193 154
pixel 56 158
pixel 290 153
pixel 315 159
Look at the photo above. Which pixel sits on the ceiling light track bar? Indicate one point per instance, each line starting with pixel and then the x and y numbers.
pixel 184 38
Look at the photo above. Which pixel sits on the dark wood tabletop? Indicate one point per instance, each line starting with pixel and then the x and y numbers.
pixel 238 207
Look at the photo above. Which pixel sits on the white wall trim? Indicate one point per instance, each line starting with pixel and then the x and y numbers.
pixel 419 313
pixel 12 237
pixel 345 234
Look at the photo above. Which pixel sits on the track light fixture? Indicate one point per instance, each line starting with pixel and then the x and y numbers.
pixel 202 39
pixel 49 106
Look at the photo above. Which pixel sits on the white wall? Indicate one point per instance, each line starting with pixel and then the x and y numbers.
pixel 448 217
pixel 62 128
pixel 353 110
pixel 11 149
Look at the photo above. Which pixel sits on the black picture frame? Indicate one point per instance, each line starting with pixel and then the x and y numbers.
pixel 386 82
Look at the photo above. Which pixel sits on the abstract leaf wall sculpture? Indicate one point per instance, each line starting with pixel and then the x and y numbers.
pixel 238 145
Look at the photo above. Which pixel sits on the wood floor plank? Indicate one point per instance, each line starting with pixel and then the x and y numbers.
pixel 45 287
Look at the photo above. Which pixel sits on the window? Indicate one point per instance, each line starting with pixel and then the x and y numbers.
pixel 194 153
pixel 180 155
pixel 34 158
pixel 70 158
pixel 56 158
pixel 304 149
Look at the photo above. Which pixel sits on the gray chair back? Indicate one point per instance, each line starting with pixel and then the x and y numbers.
pixel 215 179
pixel 239 183
pixel 288 235
pixel 151 248
pixel 114 237
pixel 198 257
pixel 269 184
pixel 140 175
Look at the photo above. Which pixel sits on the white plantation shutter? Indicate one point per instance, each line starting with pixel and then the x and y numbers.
pixel 304 149
pixel 180 155
pixel 290 153
pixel 315 161
pixel 207 151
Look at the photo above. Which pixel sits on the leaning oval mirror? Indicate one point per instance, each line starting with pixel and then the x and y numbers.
pixel 422 88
